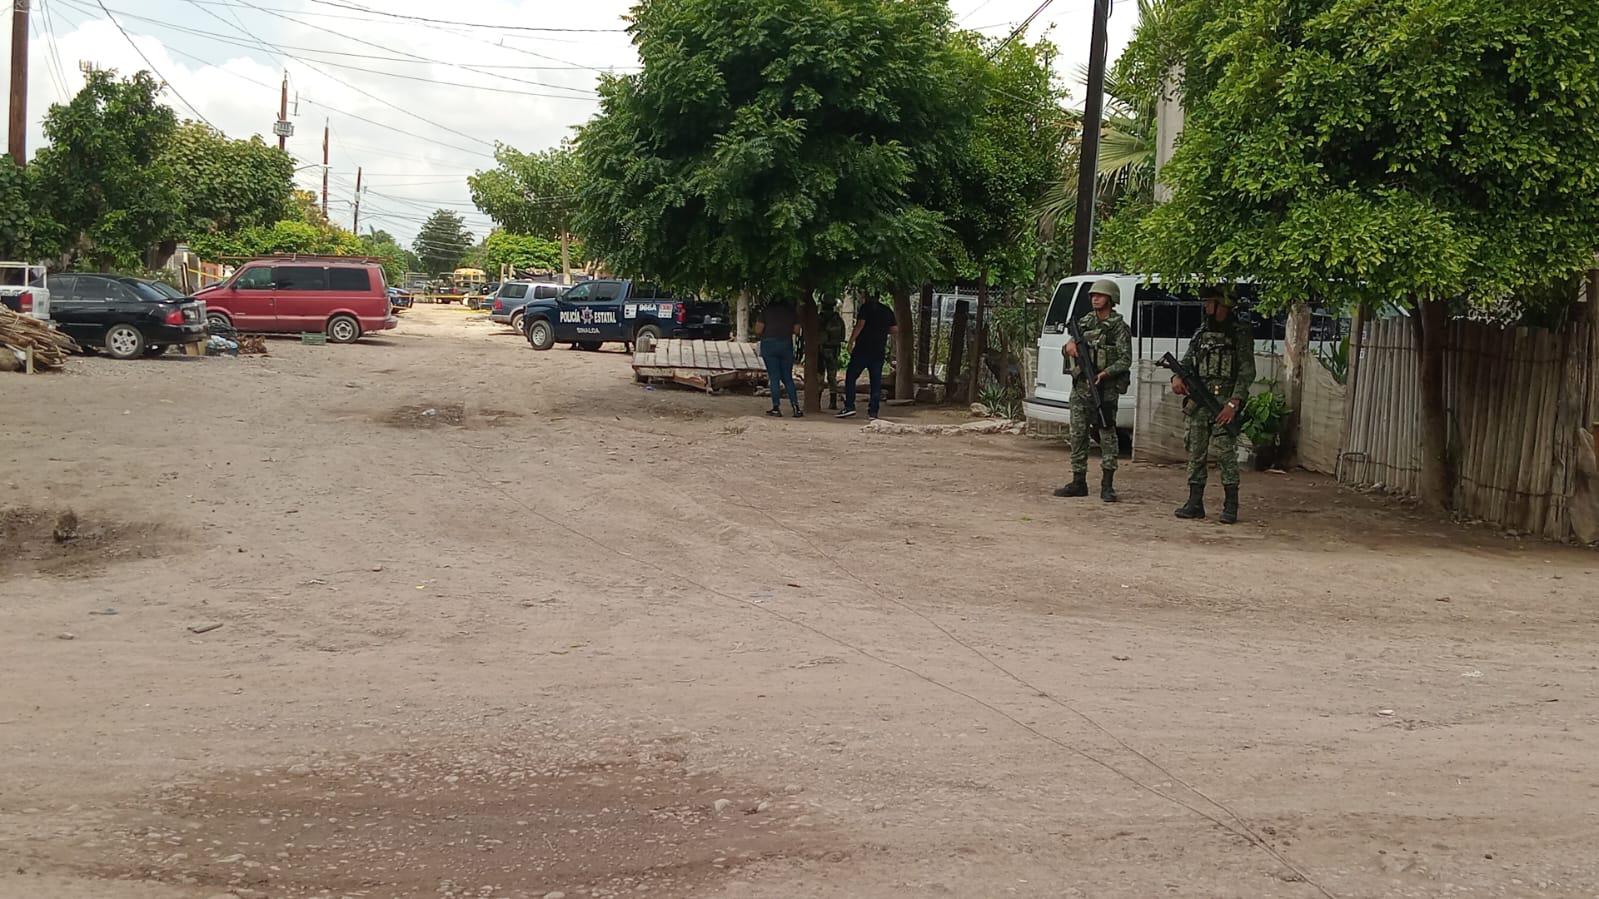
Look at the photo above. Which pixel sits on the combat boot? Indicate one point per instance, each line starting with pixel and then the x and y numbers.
pixel 1229 505
pixel 1107 486
pixel 1078 486
pixel 1195 507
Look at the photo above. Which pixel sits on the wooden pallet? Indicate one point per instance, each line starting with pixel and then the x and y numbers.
pixel 708 365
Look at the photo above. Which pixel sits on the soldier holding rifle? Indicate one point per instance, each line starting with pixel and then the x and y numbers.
pixel 1220 360
pixel 1099 356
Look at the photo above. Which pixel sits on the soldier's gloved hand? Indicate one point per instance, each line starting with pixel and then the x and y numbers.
pixel 1070 349
pixel 1178 387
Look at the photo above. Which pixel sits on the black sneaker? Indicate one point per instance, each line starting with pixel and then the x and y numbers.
pixel 775 412
pixel 846 412
pixel 798 412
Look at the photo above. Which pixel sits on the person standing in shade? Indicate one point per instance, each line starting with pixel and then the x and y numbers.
pixel 777 326
pixel 832 327
pixel 868 351
pixel 1222 352
pixel 1110 345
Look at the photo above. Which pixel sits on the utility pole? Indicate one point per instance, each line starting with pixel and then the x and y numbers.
pixel 283 127
pixel 355 226
pixel 17 124
pixel 324 168
pixel 1088 154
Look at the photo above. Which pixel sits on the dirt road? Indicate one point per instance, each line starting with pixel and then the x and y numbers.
pixel 498 623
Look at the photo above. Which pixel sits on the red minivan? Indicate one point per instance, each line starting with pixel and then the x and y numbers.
pixel 341 297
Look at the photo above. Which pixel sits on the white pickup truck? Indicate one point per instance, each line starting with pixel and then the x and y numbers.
pixel 25 288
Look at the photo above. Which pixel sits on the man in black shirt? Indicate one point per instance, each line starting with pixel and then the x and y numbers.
pixel 868 350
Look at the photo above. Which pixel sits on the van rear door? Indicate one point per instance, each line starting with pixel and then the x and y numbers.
pixel 1053 386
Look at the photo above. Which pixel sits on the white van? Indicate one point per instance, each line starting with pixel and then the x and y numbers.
pixel 1162 321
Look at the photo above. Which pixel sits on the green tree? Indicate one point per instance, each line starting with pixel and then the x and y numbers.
pixel 770 145
pixel 443 241
pixel 1439 154
pixel 105 172
pixel 523 252
pixel 225 185
pixel 397 260
pixel 532 193
pixel 26 230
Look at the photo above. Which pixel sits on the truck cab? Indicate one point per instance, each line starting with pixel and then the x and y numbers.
pixel 25 289
pixel 594 313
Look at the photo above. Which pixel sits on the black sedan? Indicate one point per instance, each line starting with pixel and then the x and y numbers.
pixel 127 317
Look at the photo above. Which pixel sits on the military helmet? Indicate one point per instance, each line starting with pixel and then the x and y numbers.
pixel 1218 293
pixel 1107 287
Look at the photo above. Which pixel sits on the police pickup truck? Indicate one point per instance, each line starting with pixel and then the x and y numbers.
pixel 595 313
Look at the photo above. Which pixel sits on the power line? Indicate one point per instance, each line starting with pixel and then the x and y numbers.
pixel 490 25
pixel 153 69
pixel 1019 28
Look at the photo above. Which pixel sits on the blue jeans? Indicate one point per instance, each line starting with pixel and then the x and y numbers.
pixel 873 366
pixel 778 354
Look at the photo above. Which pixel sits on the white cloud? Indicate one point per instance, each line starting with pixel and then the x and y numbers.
pixel 411 166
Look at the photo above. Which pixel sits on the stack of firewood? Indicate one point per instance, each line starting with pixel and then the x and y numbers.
pixel 20 334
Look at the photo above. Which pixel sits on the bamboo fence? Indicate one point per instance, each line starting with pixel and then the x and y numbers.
pixel 1515 400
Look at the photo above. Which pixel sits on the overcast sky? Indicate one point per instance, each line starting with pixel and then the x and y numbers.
pixel 358 71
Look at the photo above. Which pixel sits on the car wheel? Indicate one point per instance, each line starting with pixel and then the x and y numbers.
pixel 646 338
pixel 154 350
pixel 541 334
pixel 123 342
pixel 218 320
pixel 590 345
pixel 343 329
pixel 516 321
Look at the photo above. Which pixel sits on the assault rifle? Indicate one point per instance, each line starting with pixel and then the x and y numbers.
pixel 1200 393
pixel 1090 370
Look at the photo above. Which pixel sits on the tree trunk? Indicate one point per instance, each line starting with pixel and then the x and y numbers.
pixel 974 380
pixel 743 316
pixel 1296 355
pixel 957 346
pixel 924 332
pixel 1437 484
pixel 566 258
pixel 904 346
pixel 809 326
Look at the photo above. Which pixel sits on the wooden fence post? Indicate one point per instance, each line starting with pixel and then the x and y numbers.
pixel 957 346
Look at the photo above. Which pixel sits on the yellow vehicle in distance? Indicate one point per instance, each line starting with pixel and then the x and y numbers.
pixel 457 286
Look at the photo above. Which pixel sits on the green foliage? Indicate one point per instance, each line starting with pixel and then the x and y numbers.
pixel 281 237
pixel 522 252
pixel 443 242
pixel 1265 418
pixel 771 144
pixel 1383 149
pixel 225 185
pixel 1003 400
pixel 530 193
pixel 26 231
pixel 1336 359
pixel 397 260
pixel 105 173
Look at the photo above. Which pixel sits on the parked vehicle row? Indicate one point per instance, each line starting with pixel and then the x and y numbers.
pixel 505 306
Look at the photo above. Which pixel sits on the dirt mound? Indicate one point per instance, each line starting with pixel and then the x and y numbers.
pixel 433 415
pixel 59 543
pixel 504 823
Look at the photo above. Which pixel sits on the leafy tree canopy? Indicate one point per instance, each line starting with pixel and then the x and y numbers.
pixel 772 144
pixel 523 252
pixel 26 230
pixel 225 185
pixel 442 242
pixel 105 171
pixel 529 193
pixel 1380 148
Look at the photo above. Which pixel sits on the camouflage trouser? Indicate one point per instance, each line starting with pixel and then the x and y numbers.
pixel 1203 434
pixel 1084 420
pixel 828 359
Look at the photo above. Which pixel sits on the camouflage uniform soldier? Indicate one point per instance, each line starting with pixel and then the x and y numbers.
pixel 1112 343
pixel 1222 351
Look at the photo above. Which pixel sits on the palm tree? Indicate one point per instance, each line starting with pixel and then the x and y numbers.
pixel 1125 169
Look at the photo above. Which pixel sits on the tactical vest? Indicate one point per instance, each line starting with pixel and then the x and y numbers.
pixel 1216 356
